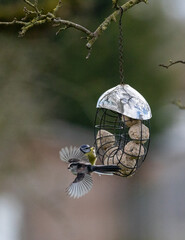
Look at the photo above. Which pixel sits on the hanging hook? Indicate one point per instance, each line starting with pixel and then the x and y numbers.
pixel 121 47
pixel 121 14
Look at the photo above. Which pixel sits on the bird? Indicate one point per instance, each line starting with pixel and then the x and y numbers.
pixel 89 152
pixel 80 166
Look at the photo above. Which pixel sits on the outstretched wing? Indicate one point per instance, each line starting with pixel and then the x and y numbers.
pixel 80 186
pixel 66 154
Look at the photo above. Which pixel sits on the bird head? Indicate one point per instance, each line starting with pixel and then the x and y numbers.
pixel 89 152
pixel 73 167
pixel 85 148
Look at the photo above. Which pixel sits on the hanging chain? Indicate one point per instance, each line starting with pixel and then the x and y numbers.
pixel 121 47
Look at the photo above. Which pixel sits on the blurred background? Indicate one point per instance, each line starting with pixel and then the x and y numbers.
pixel 48 95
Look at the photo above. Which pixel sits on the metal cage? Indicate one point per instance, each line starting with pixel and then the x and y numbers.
pixel 119 139
pixel 116 143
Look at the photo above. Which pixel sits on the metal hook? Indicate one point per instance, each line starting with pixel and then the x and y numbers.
pixel 121 47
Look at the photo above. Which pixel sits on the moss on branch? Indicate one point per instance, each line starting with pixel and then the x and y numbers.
pixel 103 26
pixel 36 17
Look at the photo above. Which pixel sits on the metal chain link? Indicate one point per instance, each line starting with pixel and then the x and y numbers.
pixel 121 72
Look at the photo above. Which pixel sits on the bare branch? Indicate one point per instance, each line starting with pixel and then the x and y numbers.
pixel 27 13
pixel 114 3
pixel 171 63
pixel 37 18
pixel 89 53
pixel 43 18
pixel 34 6
pixel 74 25
pixel 61 29
pixel 59 5
pixel 103 26
pixel 29 3
pixel 31 24
pixel 15 21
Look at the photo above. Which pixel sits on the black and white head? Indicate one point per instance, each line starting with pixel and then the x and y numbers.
pixel 73 167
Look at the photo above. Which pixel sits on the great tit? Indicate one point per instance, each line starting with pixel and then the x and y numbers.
pixel 89 152
pixel 80 166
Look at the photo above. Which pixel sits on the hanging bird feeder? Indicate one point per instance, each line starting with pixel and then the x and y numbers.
pixel 122 128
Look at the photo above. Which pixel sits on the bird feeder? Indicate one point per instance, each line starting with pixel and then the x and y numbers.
pixel 122 129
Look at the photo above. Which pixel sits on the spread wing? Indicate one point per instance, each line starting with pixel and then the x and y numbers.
pixel 72 153
pixel 80 186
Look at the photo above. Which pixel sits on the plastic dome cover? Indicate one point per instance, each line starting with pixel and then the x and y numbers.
pixel 125 100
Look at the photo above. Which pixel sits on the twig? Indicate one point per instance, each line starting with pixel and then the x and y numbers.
pixel 114 3
pixel 103 26
pixel 27 13
pixel 43 18
pixel 89 53
pixel 171 63
pixel 179 104
pixel 58 6
pixel 15 21
pixel 29 3
pixel 61 29
pixel 34 6
pixel 50 17
pixel 74 25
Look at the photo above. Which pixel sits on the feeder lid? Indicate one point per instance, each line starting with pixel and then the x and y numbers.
pixel 125 100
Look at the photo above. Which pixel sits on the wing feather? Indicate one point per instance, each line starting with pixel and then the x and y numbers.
pixel 72 153
pixel 80 186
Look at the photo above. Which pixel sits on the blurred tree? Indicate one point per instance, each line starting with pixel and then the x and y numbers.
pixel 73 89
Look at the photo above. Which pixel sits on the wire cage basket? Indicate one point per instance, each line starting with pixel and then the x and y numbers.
pixel 119 138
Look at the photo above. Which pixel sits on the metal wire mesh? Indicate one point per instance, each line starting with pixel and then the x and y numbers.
pixel 121 141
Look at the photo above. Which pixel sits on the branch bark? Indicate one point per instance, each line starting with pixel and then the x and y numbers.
pixel 103 26
pixel 15 21
pixel 74 25
pixel 36 17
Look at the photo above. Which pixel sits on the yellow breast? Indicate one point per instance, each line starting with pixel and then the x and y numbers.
pixel 92 156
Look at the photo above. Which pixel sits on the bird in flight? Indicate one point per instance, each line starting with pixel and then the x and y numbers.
pixel 81 165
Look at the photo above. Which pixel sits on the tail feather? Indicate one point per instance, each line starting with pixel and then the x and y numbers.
pixel 105 169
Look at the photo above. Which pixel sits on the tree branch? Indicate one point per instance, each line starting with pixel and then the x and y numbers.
pixel 44 18
pixel 74 25
pixel 15 21
pixel 171 63
pixel 36 17
pixel 58 6
pixel 103 26
pixel 34 6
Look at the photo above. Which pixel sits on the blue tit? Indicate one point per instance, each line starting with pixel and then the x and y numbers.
pixel 89 152
pixel 80 166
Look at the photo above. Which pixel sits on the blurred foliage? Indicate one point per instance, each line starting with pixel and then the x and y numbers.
pixel 63 82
